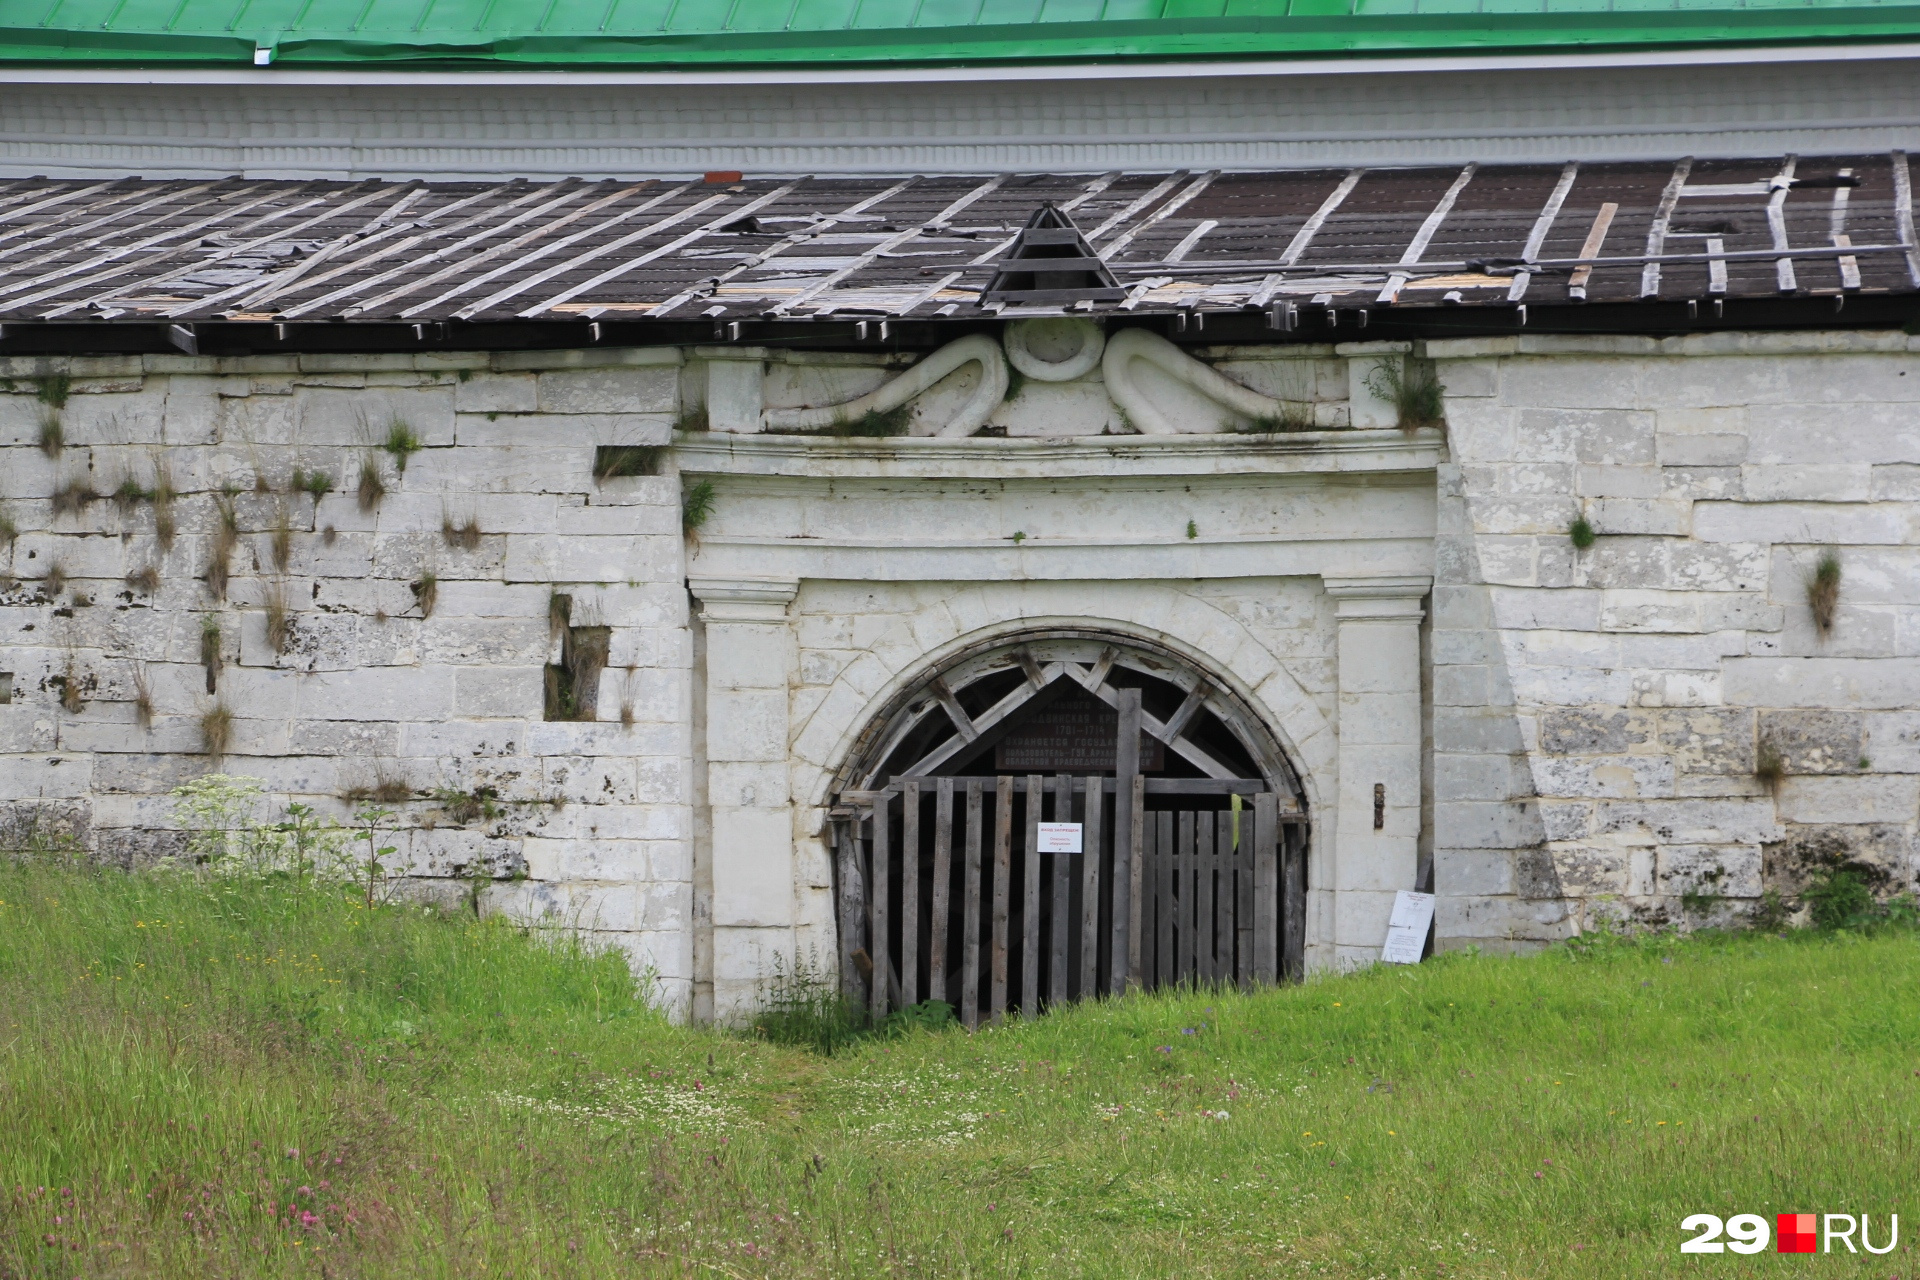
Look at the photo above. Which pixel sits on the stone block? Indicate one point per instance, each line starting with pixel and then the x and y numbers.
pixel 1522 608
pixel 1888 523
pixel 1807 482
pixel 1893 741
pixel 1862 798
pixel 1460 686
pixel 496 393
pixel 1883 852
pixel 752 866
pixel 1745 611
pixel 1480 777
pixel 1838 683
pixel 1702 451
pixel 1594 731
pixel 1478 872
pixel 1709 740
pixel 1650 611
pixel 1476 730
pixel 1676 689
pixel 1616 516
pixel 494 692
pixel 1577 872
pixel 1896 482
pixel 1697 483
pixel 1620 482
pixel 1629 562
pixel 1487 825
pixel 644 389
pixel 1603 777
pixel 1689 821
pixel 1815 740
pixel 1727 871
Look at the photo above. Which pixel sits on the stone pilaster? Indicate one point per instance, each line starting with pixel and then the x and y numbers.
pixel 1376 849
pixel 749 663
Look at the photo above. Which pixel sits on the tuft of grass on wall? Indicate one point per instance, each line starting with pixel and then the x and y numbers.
pixel 72 496
pixel 142 679
pixel 211 658
pixel 1770 766
pixel 1823 591
pixel 372 486
pixel 402 443
pixel 696 505
pixel 464 536
pixel 1581 533
pixel 426 592
pixel 1413 389
pixel 216 730
pixel 278 618
pixel 618 461
pixel 145 579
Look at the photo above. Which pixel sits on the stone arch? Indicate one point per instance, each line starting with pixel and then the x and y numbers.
pixel 1194 630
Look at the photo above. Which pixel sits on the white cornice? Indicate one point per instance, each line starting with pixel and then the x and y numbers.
pixel 990 458
pixel 275 77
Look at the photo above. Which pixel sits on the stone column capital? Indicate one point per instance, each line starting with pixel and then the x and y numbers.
pixel 1394 599
pixel 744 599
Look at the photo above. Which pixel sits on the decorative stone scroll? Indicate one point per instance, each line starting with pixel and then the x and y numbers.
pixel 1129 345
pixel 974 349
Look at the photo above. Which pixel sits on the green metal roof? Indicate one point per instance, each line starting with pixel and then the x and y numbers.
pixel 641 34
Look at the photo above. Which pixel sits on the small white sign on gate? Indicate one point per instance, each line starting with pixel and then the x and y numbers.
pixel 1060 837
pixel 1407 929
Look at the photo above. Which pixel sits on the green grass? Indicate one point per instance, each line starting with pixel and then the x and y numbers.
pixel 203 1065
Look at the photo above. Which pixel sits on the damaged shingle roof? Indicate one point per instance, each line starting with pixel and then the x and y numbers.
pixel 241 249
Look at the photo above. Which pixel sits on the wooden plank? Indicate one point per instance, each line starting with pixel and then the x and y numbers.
pixel 852 905
pixel 1657 231
pixel 878 931
pixel 970 911
pixel 1136 869
pixel 1186 918
pixel 1294 905
pixel 1541 226
pixel 1243 895
pixel 1090 889
pixel 1126 911
pixel 1837 232
pixel 1165 854
pixel 1903 213
pixel 640 260
pixel 910 892
pixel 942 875
pixel 1203 903
pixel 521 263
pixel 1589 250
pixel 1424 236
pixel 1165 211
pixel 887 246
pixel 1060 920
pixel 1266 890
pixel 1782 186
pixel 1716 265
pixel 1002 870
pixel 1311 228
pixel 1030 902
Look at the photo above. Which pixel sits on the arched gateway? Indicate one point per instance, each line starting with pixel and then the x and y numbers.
pixel 1063 814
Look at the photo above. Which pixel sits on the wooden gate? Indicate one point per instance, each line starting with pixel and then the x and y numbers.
pixel 944 892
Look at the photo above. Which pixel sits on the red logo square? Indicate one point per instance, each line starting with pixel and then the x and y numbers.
pixel 1796 1232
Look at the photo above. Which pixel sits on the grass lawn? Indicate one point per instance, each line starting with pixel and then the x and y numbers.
pixel 234 1078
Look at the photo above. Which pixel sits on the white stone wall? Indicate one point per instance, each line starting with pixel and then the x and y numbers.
pixel 1599 714
pixel 595 818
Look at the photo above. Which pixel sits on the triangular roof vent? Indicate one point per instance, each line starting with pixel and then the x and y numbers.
pixel 1051 264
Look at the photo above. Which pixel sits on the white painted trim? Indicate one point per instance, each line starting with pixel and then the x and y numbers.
pixel 1086 71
